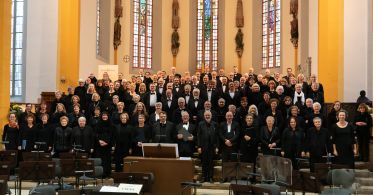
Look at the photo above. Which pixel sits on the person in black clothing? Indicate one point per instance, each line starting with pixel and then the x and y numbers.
pixel 229 133
pixel 95 103
pixel 80 91
pixel 164 131
pixel 176 116
pixel 123 141
pixel 23 116
pixel 58 99
pixel 83 137
pixel 363 123
pixel 42 110
pixel 249 140
pixel 207 144
pixel 142 134
pixel 60 112
pixel 186 143
pixel 317 113
pixel 27 134
pixel 221 110
pixel 269 136
pixel 45 134
pixel 344 141
pixel 11 133
pixel 332 115
pixel 74 116
pixel 104 142
pixel 317 143
pixel 292 142
pixel 62 137
pixel 115 116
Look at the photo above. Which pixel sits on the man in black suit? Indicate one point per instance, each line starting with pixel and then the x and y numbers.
pixel 207 144
pixel 187 95
pixel 232 96
pixel 186 132
pixel 211 94
pixel 151 98
pixel 161 86
pixel 177 87
pixel 236 75
pixel 164 131
pixel 195 104
pixel 207 106
pixel 176 114
pixel 229 132
pixel 169 102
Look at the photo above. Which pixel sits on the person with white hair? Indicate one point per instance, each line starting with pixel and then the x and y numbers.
pixel 317 112
pixel 195 104
pixel 207 145
pixel 176 117
pixel 186 135
pixel 82 135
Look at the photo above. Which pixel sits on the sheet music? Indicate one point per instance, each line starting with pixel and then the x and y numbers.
pixel 130 188
pixel 109 189
pixel 185 133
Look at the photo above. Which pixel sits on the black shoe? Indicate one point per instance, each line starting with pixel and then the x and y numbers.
pixel 211 181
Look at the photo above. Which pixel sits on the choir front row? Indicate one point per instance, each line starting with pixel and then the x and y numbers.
pixel 101 137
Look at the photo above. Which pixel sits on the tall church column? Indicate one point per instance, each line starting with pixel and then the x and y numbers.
pixel 331 48
pixel 5 17
pixel 68 44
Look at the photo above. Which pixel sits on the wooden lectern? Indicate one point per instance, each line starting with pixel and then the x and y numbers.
pixel 168 172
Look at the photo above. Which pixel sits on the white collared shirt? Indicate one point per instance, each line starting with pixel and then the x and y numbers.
pixel 186 126
pixel 153 99
pixel 229 128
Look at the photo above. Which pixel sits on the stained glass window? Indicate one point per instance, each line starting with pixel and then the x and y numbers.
pixel 207 34
pixel 271 28
pixel 142 33
pixel 17 52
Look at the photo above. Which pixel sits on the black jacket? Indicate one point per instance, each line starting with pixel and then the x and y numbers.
pixel 83 137
pixel 62 139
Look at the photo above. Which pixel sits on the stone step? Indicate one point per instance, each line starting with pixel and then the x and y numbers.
pixel 364 181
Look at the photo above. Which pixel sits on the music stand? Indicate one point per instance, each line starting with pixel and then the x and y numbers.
pixel 36 171
pixel 160 150
pixel 236 169
pixel 275 151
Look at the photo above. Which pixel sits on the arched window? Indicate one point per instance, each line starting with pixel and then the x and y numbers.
pixel 17 48
pixel 142 33
pixel 207 34
pixel 271 21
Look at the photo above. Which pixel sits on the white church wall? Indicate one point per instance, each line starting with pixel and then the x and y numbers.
pixel 356 48
pixel 41 48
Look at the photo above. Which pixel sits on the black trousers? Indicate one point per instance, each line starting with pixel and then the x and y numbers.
pixel 105 154
pixel 207 159
pixel 363 140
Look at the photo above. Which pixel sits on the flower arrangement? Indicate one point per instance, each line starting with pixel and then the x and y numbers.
pixel 17 109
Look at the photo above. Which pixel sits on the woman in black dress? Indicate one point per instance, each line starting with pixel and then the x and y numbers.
pixel 139 109
pixel 363 122
pixel 142 134
pixel 344 141
pixel 292 142
pixel 269 137
pixel 249 141
pixel 123 140
pixel 27 134
pixel 62 137
pixel 45 134
pixel 11 133
pixel 104 142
